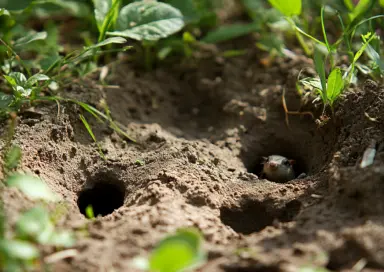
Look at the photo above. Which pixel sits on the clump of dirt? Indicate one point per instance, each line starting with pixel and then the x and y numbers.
pixel 202 129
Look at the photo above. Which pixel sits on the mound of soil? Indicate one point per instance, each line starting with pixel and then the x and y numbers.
pixel 202 129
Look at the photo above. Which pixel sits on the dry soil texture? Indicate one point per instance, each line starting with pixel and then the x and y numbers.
pixel 202 128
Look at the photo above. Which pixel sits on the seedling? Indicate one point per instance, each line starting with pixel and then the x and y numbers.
pixel 89 212
pixel 175 253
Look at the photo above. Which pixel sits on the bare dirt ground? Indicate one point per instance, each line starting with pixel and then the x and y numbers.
pixel 202 128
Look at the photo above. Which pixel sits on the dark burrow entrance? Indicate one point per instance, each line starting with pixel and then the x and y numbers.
pixel 253 215
pixel 103 196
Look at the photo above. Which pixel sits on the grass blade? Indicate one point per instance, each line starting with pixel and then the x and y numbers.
pixel 89 129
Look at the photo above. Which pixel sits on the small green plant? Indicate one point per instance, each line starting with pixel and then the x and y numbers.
pixel 148 21
pixel 174 253
pixel 89 212
pixel 19 249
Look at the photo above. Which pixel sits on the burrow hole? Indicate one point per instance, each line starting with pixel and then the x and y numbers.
pixel 104 192
pixel 253 215
pixel 294 148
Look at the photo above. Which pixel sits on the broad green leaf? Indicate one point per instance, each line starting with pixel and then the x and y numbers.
pixel 230 32
pixel 13 157
pixel 35 224
pixel 382 3
pixel 15 79
pixel 25 92
pixel 148 21
pixel 4 12
pixel 5 100
pixel 287 7
pixel 320 67
pixel 187 8
pixel 30 38
pixel 35 78
pixel 19 249
pixel 335 85
pixel 177 252
pixel 313 269
pixel 108 41
pixel 32 187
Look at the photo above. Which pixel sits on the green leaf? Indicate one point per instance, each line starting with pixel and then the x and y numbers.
pixel 148 21
pixel 335 85
pixel 13 157
pixel 106 13
pixel 89 212
pixel 32 187
pixel 3 11
pixel 90 132
pixel 362 7
pixel 19 249
pixel 177 252
pixel 188 9
pixel 320 67
pixel 108 41
pixel 5 100
pixel 230 32
pixel 287 7
pixel 101 10
pixel 313 269
pixel 382 3
pixel 62 239
pixel 16 79
pixel 30 38
pixel 35 78
pixel 35 224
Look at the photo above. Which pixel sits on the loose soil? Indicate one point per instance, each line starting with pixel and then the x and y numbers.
pixel 202 127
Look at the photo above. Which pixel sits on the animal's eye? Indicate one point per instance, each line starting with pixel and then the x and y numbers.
pixel 286 162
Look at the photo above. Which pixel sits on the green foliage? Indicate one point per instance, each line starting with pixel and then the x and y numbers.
pixel 175 253
pixel 106 13
pixel 149 21
pixel 32 187
pixel 89 212
pixel 335 85
pixel 230 32
pixel 287 7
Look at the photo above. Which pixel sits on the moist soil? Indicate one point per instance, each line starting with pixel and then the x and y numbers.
pixel 202 127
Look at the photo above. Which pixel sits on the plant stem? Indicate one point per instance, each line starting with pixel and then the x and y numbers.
pixel 303 44
pixel 147 56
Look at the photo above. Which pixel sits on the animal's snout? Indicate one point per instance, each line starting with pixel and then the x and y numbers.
pixel 272 165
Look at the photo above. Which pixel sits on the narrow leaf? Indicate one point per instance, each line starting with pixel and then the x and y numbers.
pixel 90 132
pixel 108 41
pixel 320 68
pixel 101 9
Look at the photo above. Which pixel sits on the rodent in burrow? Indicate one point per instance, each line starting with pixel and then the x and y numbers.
pixel 278 169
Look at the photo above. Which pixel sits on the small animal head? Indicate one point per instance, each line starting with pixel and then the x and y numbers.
pixel 278 168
